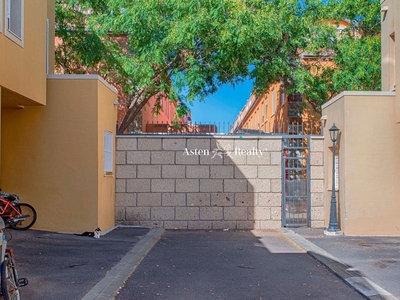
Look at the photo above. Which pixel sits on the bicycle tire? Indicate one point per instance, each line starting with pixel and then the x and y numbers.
pixel 24 208
pixel 9 285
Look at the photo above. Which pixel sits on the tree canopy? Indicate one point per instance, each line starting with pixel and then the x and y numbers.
pixel 186 49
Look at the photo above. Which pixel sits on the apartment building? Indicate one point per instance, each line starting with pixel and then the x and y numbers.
pixel 57 131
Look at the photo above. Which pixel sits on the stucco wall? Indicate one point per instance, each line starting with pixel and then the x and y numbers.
pixel 180 183
pixel 50 155
pixel 369 162
pixel 23 69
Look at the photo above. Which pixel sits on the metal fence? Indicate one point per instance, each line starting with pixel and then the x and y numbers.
pixel 226 128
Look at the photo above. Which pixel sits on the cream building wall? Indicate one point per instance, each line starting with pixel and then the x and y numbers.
pixel 53 156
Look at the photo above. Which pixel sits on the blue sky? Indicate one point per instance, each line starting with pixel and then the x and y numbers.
pixel 223 106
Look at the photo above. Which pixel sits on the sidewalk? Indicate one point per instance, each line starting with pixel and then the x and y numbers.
pixel 369 264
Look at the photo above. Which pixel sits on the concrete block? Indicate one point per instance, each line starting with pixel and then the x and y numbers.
pixel 270 199
pixel 318 213
pixel 276 158
pixel 235 213
pixel 317 224
pixel 149 199
pixel 211 185
pixel 120 185
pixel 317 172
pixel 317 145
pixel 199 225
pixel 276 186
pixel 152 224
pixel 198 199
pixel 200 143
pixel 235 185
pixel 317 199
pixel 149 171
pixel 317 186
pixel 149 144
pixel 171 171
pixel 222 199
pixel 120 157
pixel 126 143
pixel 163 213
pixel 162 185
pixel 211 213
pixel 244 172
pixel 211 159
pixel 245 144
pixel 187 213
pixel 276 213
pixel 270 224
pixel 138 157
pixel 125 199
pixel 137 213
pixel 259 185
pixel 219 225
pixel 119 213
pixel 235 159
pixel 178 144
pixel 245 199
pixel 245 225
pixel 182 159
pixel 260 213
pixel 225 144
pixel 173 199
pixel 316 158
pixel 137 185
pixel 187 185
pixel 125 171
pixel 162 157
pixel 273 144
pixel 176 225
pixel 221 171
pixel 197 172
pixel 260 159
pixel 270 172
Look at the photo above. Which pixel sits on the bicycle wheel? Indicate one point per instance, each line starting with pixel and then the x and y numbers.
pixel 9 286
pixel 29 214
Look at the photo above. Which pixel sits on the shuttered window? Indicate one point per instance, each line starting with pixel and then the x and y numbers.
pixel 108 152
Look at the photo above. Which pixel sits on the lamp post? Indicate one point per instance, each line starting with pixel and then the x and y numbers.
pixel 333 223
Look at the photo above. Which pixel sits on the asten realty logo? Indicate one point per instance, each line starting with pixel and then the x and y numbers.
pixel 220 151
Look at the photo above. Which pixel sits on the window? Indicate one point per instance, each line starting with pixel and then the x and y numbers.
pixel 14 28
pixel 47 45
pixel 282 97
pixel 262 112
pixel 108 152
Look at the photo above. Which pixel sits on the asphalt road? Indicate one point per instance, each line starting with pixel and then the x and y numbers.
pixel 231 265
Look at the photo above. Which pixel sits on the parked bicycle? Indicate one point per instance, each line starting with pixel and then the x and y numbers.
pixel 17 215
pixel 10 282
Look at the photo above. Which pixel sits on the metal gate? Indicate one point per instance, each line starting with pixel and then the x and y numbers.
pixel 296 181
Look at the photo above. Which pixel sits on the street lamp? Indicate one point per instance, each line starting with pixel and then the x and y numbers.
pixel 333 223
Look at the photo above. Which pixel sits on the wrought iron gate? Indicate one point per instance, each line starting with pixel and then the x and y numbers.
pixel 296 181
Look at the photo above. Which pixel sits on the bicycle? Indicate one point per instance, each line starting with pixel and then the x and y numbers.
pixel 17 215
pixel 10 282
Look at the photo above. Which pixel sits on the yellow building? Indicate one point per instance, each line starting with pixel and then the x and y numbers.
pixel 57 131
pixel 368 146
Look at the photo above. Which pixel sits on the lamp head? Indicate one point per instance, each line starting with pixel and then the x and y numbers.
pixel 333 132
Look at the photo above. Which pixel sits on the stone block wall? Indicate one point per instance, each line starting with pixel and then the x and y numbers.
pixel 193 182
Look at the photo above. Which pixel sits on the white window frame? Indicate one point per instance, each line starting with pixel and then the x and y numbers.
pixel 108 152
pixel 11 35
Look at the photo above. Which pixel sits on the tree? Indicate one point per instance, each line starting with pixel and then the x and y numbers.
pixel 186 49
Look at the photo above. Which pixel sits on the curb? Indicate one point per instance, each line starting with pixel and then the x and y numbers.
pixel 361 284
pixel 108 287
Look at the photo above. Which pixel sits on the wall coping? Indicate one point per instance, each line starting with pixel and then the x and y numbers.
pixel 192 136
pixel 82 77
pixel 357 93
